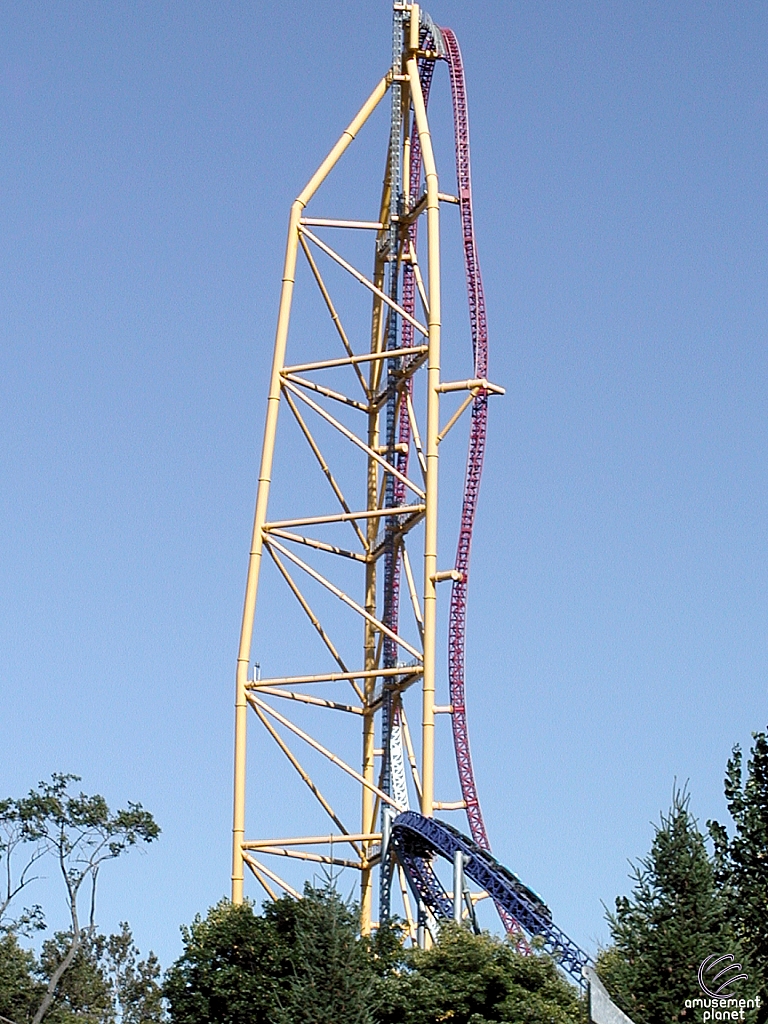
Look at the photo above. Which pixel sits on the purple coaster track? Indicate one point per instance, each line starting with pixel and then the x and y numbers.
pixel 477 435
pixel 457 621
pixel 479 330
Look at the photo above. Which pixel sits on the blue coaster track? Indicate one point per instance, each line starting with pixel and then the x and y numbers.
pixel 416 840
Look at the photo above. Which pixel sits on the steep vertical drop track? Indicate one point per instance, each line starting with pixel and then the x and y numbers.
pixel 416 839
pixel 451 53
pixel 476 452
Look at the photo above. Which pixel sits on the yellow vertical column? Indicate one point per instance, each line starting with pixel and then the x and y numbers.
pixel 265 476
pixel 433 415
pixel 257 543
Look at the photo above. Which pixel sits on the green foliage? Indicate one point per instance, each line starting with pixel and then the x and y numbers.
pixel 331 969
pixel 135 983
pixel 675 917
pixel 20 991
pixel 231 968
pixel 14 840
pixel 84 992
pixel 81 830
pixel 301 960
pixel 304 962
pixel 471 979
pixel 106 981
pixel 742 861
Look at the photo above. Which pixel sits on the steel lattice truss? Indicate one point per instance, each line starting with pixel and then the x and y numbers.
pixel 380 398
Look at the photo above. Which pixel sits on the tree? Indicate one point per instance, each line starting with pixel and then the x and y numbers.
pixel 84 993
pixel 80 834
pixel 474 979
pixel 304 962
pixel 14 838
pixel 675 918
pixel 20 991
pixel 299 961
pixel 742 860
pixel 331 968
pixel 106 981
pixel 135 983
pixel 231 968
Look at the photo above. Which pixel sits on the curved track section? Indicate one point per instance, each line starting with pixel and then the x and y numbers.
pixel 457 620
pixel 479 330
pixel 479 415
pixel 476 449
pixel 416 840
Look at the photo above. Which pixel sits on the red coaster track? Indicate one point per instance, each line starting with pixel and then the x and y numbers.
pixel 477 436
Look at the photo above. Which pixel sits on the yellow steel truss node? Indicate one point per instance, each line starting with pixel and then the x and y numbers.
pixel 308 399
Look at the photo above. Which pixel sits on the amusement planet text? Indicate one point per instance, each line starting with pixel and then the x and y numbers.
pixel 723 1009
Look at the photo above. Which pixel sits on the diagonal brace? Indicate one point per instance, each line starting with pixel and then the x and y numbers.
pixel 364 281
pixel 322 750
pixel 386 466
pixel 376 623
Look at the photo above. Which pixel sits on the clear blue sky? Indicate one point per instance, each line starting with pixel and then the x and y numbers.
pixel 150 152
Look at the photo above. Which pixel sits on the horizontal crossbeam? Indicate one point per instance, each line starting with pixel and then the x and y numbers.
pixel 325 222
pixel 343 517
pixel 334 677
pixel 367 357
pixel 364 281
pixel 360 837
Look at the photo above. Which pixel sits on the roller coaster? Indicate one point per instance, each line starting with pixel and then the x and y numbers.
pixel 368 416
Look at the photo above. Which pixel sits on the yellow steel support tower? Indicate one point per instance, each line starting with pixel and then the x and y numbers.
pixel 384 377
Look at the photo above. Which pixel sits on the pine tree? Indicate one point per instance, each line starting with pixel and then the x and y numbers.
pixel 300 961
pixel 742 861
pixel 675 917
pixel 135 983
pixel 332 967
